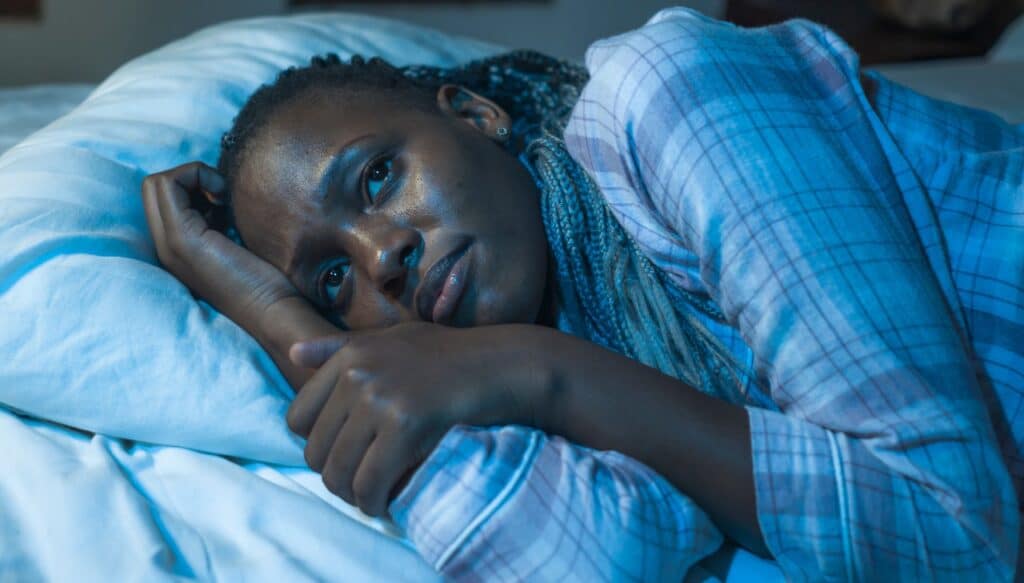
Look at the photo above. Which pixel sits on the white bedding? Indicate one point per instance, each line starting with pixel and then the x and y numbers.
pixel 78 507
pixel 95 336
pixel 83 507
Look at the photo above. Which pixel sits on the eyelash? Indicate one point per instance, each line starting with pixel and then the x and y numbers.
pixel 365 181
pixel 325 297
pixel 386 161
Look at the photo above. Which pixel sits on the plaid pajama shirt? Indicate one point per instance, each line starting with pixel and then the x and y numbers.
pixel 867 247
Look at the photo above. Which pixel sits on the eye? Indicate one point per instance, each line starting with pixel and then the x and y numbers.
pixel 377 175
pixel 331 281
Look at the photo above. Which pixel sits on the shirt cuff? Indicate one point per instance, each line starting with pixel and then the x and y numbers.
pixel 799 486
pixel 469 475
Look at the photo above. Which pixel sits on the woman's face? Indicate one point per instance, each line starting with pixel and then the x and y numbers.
pixel 381 212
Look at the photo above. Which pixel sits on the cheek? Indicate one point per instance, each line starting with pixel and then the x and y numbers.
pixel 370 311
pixel 511 284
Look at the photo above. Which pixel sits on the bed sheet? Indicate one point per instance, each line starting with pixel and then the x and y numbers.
pixel 83 507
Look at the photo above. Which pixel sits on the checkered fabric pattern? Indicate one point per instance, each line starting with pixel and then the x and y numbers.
pixel 867 247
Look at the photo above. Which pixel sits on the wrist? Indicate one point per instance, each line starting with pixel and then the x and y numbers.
pixel 536 373
pixel 286 320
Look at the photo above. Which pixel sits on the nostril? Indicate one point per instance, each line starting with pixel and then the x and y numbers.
pixel 395 286
pixel 408 256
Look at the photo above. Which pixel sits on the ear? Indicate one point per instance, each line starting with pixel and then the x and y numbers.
pixel 476 110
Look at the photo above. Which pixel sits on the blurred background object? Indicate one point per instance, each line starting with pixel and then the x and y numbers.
pixel 85 40
pixel 888 31
pixel 20 8
pixel 938 15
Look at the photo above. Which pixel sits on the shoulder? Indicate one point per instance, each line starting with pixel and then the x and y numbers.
pixel 632 67
pixel 685 80
pixel 681 60
pixel 666 40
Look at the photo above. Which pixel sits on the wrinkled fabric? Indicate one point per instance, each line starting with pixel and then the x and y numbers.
pixel 865 245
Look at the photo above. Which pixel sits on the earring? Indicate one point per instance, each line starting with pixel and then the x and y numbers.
pixel 502 132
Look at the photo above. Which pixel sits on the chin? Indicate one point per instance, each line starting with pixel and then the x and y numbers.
pixel 483 314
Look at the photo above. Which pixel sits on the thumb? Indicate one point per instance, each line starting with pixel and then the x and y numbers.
pixel 314 353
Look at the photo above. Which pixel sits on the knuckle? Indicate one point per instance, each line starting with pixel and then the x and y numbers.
pixel 356 375
pixel 372 395
pixel 402 418
pixel 159 182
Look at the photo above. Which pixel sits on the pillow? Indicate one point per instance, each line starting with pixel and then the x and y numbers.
pixel 95 334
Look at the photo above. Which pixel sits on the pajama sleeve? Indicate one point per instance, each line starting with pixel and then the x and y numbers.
pixel 758 153
pixel 513 504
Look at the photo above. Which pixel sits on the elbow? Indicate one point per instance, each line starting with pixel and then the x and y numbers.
pixel 979 530
pixel 961 532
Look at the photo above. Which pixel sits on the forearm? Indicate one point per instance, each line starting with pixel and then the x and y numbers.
pixel 281 325
pixel 700 444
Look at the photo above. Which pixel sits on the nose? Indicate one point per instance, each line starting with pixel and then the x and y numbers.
pixel 390 250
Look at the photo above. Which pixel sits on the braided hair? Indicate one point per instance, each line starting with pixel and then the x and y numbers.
pixel 607 289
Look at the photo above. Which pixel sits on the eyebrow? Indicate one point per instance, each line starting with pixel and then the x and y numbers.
pixel 340 164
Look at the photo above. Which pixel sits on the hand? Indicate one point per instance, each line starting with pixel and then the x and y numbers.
pixel 231 278
pixel 384 398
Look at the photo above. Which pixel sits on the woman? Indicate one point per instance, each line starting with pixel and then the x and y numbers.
pixel 746 268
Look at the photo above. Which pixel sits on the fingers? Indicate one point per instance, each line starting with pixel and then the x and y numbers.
pixel 153 218
pixel 325 430
pixel 169 211
pixel 363 468
pixel 314 353
pixel 312 397
pixel 177 213
pixel 306 407
pixel 196 176
pixel 346 452
pixel 386 461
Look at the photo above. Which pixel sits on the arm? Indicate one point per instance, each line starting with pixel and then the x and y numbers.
pixel 513 504
pixel 507 503
pixel 249 291
pixel 759 151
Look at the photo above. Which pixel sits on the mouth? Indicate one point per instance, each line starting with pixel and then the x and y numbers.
pixel 443 285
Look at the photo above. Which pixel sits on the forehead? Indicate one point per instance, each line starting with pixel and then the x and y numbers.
pixel 276 191
pixel 321 110
pixel 301 135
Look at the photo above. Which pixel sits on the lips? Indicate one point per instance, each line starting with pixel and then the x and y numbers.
pixel 434 280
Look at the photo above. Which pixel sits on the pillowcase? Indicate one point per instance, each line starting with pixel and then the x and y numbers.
pixel 94 333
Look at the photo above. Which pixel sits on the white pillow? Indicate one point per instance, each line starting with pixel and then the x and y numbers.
pixel 94 334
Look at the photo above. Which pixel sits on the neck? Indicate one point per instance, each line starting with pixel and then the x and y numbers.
pixel 548 313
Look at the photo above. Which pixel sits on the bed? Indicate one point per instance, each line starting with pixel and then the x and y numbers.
pixel 164 482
